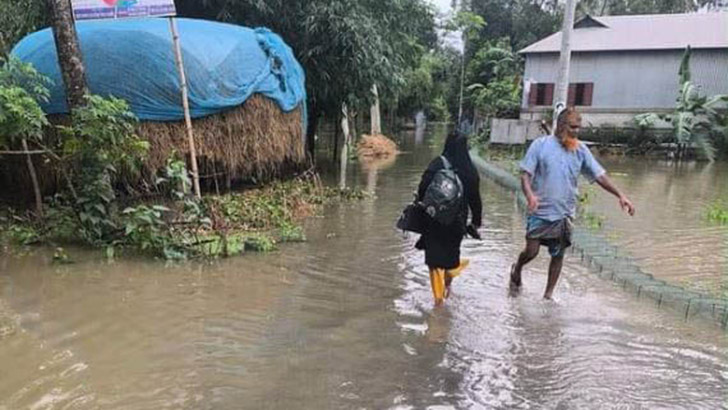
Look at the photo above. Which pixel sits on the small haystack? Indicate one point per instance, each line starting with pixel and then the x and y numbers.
pixel 376 147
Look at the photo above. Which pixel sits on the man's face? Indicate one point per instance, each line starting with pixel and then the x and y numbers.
pixel 574 125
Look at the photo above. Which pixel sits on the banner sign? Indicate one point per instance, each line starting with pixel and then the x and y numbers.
pixel 116 9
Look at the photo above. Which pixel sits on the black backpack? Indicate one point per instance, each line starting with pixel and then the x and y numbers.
pixel 443 199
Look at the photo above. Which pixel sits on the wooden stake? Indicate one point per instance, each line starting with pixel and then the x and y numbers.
pixel 186 106
pixel 34 179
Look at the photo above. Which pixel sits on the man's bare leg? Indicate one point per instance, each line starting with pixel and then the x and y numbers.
pixel 554 272
pixel 528 254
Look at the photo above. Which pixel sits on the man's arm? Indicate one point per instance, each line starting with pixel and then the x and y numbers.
pixel 531 198
pixel 608 186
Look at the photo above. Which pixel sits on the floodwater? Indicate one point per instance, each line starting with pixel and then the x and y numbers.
pixel 672 237
pixel 345 321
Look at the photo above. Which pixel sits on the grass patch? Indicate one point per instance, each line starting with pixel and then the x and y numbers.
pixel 507 157
pixel 717 213
pixel 255 220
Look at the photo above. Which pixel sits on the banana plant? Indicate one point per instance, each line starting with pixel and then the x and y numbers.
pixel 697 119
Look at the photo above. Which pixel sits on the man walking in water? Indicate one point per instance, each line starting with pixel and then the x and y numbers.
pixel 549 174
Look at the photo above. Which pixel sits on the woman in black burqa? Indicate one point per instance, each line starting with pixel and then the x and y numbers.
pixel 442 243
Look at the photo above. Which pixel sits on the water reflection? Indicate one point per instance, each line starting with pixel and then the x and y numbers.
pixel 672 237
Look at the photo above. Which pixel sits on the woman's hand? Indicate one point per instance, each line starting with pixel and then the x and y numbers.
pixel 472 231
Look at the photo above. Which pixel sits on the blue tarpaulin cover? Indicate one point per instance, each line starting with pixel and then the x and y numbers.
pixel 134 60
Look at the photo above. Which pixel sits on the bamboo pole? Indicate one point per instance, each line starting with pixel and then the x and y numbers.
pixel 186 106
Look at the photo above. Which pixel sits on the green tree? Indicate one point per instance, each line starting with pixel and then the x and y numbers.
pixel 622 7
pixel 494 75
pixel 697 120
pixel 21 118
pixel 18 18
pixel 345 46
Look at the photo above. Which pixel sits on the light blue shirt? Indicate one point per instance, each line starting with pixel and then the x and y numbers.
pixel 554 173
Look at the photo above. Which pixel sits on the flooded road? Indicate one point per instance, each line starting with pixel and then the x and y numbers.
pixel 672 237
pixel 345 321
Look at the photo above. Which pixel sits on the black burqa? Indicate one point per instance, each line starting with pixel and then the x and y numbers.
pixel 442 243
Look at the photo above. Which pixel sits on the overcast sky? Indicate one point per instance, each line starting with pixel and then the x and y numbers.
pixel 453 39
pixel 443 5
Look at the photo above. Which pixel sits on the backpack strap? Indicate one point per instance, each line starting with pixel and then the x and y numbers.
pixel 445 162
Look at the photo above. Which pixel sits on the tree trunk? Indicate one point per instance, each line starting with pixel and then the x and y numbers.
pixel 376 113
pixel 69 52
pixel 336 138
pixel 345 146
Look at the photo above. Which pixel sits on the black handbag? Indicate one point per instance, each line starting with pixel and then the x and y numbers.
pixel 413 219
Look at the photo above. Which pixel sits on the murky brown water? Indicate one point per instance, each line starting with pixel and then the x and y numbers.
pixel 345 321
pixel 672 237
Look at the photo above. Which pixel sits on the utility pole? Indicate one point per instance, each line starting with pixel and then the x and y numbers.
pixel 70 59
pixel 562 84
pixel 462 88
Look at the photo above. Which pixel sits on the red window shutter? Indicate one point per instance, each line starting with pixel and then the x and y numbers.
pixel 588 94
pixel 571 97
pixel 549 94
pixel 533 95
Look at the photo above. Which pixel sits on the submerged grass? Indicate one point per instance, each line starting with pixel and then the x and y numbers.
pixel 717 213
pixel 256 220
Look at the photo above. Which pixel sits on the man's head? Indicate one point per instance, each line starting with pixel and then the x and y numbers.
pixel 568 126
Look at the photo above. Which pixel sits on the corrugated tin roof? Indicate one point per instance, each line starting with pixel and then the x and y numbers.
pixel 644 32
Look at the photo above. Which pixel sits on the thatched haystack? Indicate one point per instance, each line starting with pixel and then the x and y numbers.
pixel 376 147
pixel 256 139
pixel 252 70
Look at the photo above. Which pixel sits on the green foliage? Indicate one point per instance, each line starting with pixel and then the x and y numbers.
pixel 260 243
pixel 697 120
pixel 438 110
pixel 291 233
pixel 507 157
pixel 427 86
pixel 23 235
pixel 20 116
pixel 60 256
pixel 18 18
pixel 15 73
pixel 584 216
pixel 523 21
pixel 717 213
pixel 101 141
pixel 494 74
pixel 468 23
pixel 622 7
pixel 145 227
pixel 21 91
pixel 345 46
